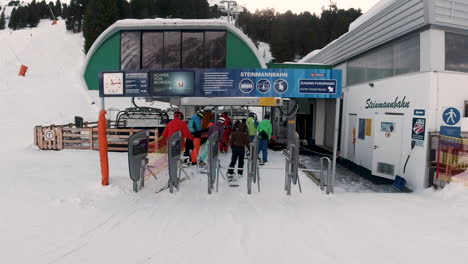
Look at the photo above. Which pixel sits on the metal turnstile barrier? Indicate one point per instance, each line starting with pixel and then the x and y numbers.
pixel 214 165
pixel 138 160
pixel 175 164
pixel 292 166
pixel 328 178
pixel 253 173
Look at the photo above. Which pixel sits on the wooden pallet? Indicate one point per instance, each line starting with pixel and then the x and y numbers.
pixel 58 137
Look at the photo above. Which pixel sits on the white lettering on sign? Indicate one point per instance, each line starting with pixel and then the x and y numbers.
pixel 264 74
pixel 303 82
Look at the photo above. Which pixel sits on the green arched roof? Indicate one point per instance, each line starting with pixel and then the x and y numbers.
pixel 104 54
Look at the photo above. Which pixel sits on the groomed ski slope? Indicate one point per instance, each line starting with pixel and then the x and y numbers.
pixel 53 209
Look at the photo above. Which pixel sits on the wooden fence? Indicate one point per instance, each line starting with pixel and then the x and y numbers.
pixel 58 137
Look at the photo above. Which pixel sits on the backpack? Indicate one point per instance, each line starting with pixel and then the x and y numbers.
pixel 263 134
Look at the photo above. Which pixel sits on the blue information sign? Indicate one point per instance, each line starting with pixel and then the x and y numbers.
pixel 317 86
pixel 136 83
pixel 450 131
pixel 289 83
pixel 419 112
pixel 451 116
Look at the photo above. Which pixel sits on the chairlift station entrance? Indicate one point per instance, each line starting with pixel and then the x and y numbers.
pixel 199 63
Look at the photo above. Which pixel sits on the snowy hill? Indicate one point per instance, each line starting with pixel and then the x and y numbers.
pixel 54 57
pixel 53 209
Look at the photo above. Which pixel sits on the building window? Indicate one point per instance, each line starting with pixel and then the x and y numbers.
pixel 153 44
pixel 466 109
pixel 192 49
pixel 456 52
pixel 398 58
pixel 130 50
pixel 215 49
pixel 172 50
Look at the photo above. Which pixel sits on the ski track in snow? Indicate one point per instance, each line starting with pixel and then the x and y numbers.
pixel 53 209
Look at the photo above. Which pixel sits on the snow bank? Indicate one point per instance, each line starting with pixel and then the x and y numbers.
pixel 51 92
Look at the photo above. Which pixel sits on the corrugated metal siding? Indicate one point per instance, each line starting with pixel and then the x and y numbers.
pixel 395 21
pixel 451 13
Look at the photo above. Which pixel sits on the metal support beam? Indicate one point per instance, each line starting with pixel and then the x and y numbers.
pixel 291 122
pixel 335 141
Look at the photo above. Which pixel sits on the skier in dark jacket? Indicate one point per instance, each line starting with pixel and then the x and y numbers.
pixel 239 141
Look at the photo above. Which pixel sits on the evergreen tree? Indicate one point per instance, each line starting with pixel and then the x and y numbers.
pixel 143 8
pixel 58 9
pixel 13 23
pixel 125 9
pixel 100 14
pixel 33 14
pixel 163 8
pixel 75 17
pixel 2 20
pixel 65 11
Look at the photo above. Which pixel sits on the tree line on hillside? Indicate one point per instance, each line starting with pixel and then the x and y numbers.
pixel 100 14
pixel 29 15
pixel 293 36
pixel 290 35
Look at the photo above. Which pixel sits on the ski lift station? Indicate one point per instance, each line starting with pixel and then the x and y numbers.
pixel 403 64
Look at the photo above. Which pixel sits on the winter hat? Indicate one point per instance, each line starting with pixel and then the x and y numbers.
pixel 221 119
pixel 178 114
pixel 200 114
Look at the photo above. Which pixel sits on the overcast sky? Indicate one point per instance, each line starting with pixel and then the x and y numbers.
pixel 313 6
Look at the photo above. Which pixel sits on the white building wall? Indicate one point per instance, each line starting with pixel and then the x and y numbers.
pixel 416 90
pixel 432 50
pixel 452 91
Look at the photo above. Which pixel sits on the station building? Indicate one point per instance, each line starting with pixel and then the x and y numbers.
pixel 404 61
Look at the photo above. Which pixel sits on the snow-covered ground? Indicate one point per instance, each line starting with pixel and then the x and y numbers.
pixel 53 209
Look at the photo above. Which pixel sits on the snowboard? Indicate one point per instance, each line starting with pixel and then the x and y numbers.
pixel 234 182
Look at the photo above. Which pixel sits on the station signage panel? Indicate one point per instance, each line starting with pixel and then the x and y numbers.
pixel 289 83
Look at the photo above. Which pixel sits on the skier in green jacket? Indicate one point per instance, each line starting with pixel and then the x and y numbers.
pixel 264 134
pixel 251 126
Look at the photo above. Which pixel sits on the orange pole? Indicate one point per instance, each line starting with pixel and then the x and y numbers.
pixel 103 147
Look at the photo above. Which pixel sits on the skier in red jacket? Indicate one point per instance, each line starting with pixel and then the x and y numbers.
pixel 177 124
